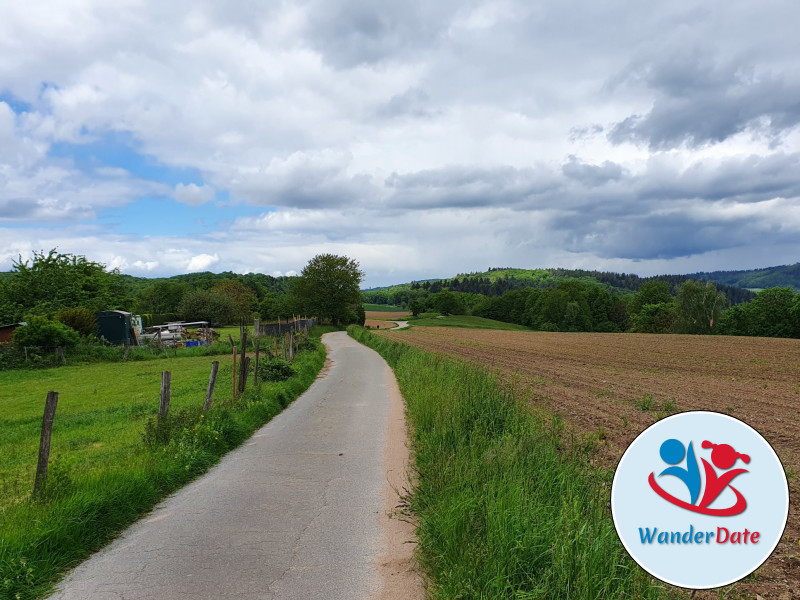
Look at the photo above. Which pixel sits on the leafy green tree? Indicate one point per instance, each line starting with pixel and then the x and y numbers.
pixel 656 318
pixel 699 306
pixel 735 321
pixel 207 305
pixel 651 292
pixel 771 313
pixel 161 297
pixel 416 306
pixel 80 319
pixel 50 282
pixel 242 297
pixel 41 331
pixel 447 303
pixel 329 288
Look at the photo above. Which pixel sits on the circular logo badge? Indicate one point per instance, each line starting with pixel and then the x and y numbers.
pixel 700 500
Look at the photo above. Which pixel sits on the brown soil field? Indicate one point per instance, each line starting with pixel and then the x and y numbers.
pixel 379 324
pixel 387 316
pixel 597 383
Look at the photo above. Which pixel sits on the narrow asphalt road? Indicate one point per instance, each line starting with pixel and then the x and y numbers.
pixel 292 513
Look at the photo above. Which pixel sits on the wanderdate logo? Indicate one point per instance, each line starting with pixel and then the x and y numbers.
pixel 700 500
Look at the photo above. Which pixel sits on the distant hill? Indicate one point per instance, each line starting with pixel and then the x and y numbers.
pixel 756 279
pixel 497 281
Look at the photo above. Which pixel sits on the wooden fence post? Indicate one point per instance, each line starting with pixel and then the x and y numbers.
pixel 230 339
pixel 244 366
pixel 44 444
pixel 163 407
pixel 234 372
pixel 212 380
pixel 255 367
pixel 127 350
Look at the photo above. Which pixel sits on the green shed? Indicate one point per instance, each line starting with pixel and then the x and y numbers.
pixel 116 326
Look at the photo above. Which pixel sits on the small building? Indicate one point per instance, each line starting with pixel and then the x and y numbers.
pixel 7 332
pixel 116 326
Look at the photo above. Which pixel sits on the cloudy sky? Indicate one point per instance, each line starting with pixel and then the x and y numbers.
pixel 421 138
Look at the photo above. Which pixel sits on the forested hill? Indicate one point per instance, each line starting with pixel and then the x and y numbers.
pixel 784 276
pixel 497 281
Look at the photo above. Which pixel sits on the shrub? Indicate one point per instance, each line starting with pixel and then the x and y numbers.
pixel 276 369
pixel 80 319
pixel 41 331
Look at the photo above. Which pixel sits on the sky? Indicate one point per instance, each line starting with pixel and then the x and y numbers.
pixel 423 139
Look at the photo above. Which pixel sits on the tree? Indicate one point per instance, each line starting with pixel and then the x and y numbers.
pixel 242 297
pixel 699 306
pixel 41 331
pixel 447 303
pixel 80 319
pixel 651 292
pixel 329 288
pixel 53 281
pixel 207 305
pixel 161 297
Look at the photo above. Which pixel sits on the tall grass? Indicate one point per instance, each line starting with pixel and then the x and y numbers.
pixel 87 503
pixel 506 508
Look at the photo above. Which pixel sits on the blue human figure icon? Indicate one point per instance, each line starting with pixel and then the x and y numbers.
pixel 672 452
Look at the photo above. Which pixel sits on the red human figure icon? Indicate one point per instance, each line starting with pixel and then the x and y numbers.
pixel 724 457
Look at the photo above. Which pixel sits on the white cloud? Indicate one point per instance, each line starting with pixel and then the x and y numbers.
pixel 201 262
pixel 424 139
pixel 193 194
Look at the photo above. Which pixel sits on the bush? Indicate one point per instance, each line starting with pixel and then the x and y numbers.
pixel 80 319
pixel 276 369
pixel 41 331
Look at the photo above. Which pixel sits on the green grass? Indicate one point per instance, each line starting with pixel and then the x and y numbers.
pixel 102 473
pixel 506 508
pixel 430 320
pixel 383 308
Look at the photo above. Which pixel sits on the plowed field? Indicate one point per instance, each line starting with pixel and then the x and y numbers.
pixel 612 386
pixel 391 316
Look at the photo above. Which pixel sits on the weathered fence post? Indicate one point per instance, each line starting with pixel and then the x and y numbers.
pixel 255 367
pixel 257 327
pixel 127 350
pixel 44 444
pixel 230 339
pixel 163 407
pixel 234 372
pixel 245 366
pixel 245 362
pixel 212 380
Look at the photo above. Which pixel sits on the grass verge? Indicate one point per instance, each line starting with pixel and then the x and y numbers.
pixel 110 463
pixel 430 320
pixel 506 508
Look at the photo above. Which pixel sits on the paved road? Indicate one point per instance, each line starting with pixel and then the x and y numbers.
pixel 293 513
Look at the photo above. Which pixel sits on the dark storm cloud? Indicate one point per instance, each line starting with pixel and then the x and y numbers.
pixel 464 187
pixel 701 100
pixel 354 32
pixel 592 175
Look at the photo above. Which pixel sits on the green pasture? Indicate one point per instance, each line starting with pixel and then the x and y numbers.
pixel 383 308
pixel 110 459
pixel 468 322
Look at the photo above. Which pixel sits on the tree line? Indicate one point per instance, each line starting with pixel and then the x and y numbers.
pixel 660 305
pixel 53 289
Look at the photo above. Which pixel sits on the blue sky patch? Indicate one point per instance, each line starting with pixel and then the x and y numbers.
pixel 118 150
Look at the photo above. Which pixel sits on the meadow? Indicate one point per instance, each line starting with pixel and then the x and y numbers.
pixel 606 388
pixel 111 461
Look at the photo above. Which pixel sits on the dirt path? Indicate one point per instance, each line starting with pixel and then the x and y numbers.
pixel 298 511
